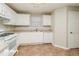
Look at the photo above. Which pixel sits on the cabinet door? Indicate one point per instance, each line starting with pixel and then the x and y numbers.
pixel 48 37
pixel 13 17
pixel 27 21
pixel 23 19
pixel 1 9
pixel 9 14
pixel 31 37
pixel 24 38
pixel 6 11
pixel 20 20
pixel 46 20
pixel 37 37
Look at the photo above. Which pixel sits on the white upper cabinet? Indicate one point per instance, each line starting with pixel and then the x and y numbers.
pixel 1 10
pixel 12 16
pixel 23 19
pixel 9 14
pixel 46 20
pixel 6 11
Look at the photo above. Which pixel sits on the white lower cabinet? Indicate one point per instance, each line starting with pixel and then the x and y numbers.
pixel 35 37
pixel 30 37
pixel 48 37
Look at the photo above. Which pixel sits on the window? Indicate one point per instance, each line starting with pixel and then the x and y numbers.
pixel 36 20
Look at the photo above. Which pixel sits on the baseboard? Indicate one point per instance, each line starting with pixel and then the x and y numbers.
pixel 24 44
pixel 60 46
pixel 52 44
pixel 30 44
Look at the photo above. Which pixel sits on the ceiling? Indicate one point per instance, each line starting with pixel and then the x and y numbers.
pixel 38 8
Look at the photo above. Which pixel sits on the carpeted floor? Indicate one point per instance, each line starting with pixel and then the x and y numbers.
pixel 45 50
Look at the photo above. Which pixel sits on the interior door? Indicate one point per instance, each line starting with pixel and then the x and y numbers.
pixel 73 29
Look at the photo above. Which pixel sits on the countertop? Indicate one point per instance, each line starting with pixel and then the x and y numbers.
pixel 30 31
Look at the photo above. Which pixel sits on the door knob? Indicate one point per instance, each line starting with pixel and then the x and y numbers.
pixel 70 32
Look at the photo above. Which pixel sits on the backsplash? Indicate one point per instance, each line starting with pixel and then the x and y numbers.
pixel 21 29
pixel 32 28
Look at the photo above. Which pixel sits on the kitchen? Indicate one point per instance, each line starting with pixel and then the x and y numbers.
pixel 32 24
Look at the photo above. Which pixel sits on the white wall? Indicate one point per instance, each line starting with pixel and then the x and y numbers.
pixel 52 25
pixel 60 24
pixel 52 20
pixel 60 28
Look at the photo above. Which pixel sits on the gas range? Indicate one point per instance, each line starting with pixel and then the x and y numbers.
pixel 5 34
pixel 10 39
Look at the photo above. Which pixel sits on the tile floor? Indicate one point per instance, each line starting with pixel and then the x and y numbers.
pixel 45 50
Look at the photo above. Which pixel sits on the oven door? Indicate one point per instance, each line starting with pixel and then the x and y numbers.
pixel 12 45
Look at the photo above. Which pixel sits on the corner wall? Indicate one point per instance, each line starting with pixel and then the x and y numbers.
pixel 60 27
